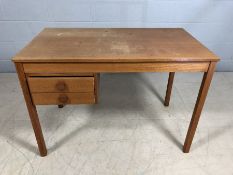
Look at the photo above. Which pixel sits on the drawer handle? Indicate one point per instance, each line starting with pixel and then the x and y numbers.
pixel 61 86
pixel 63 99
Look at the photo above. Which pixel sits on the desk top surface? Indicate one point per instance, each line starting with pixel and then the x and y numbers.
pixel 114 45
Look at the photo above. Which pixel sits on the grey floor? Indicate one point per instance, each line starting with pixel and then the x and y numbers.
pixel 128 132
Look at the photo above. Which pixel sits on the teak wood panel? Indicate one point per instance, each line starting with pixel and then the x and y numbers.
pixel 61 84
pixel 114 67
pixel 63 98
pixel 114 45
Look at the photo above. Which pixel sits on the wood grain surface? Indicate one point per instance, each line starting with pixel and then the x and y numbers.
pixel 115 67
pixel 114 45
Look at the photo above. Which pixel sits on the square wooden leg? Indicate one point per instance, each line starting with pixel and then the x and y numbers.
pixel 199 105
pixel 169 88
pixel 60 106
pixel 97 79
pixel 31 110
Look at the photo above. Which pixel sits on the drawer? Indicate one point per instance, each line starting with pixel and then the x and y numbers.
pixel 61 84
pixel 63 98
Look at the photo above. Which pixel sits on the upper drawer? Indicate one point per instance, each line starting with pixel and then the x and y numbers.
pixel 61 84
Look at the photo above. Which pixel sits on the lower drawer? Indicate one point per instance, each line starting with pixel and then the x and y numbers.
pixel 63 98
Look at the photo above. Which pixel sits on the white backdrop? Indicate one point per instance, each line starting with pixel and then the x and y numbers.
pixel 210 21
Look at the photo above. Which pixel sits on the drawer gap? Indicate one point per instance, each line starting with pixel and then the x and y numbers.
pixel 60 75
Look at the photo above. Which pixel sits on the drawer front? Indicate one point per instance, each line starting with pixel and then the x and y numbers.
pixel 63 98
pixel 61 84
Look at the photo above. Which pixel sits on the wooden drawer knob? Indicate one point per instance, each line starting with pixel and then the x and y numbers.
pixel 61 86
pixel 63 99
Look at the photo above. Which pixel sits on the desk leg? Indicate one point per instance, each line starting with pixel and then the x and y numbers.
pixel 207 77
pixel 169 88
pixel 60 106
pixel 97 79
pixel 31 110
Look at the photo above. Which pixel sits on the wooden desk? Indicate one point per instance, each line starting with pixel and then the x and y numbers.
pixel 62 66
